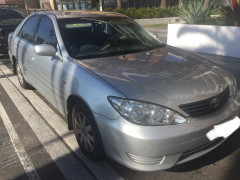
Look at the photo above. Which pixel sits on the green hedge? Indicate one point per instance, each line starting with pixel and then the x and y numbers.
pixel 146 13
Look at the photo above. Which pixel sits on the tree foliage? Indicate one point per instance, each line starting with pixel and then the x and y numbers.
pixel 231 13
pixel 196 12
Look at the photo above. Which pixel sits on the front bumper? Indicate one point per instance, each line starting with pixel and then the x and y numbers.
pixel 151 148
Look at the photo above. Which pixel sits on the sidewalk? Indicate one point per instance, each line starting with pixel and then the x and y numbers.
pixel 160 33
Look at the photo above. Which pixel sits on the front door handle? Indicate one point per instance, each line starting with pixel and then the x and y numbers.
pixel 33 57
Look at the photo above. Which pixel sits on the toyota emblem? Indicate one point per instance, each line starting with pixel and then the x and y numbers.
pixel 215 102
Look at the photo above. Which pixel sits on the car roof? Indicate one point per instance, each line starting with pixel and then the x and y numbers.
pixel 72 14
pixel 16 8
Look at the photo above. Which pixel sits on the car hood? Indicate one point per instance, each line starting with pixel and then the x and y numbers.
pixel 167 76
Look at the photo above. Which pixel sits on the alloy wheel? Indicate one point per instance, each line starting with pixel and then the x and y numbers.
pixel 85 132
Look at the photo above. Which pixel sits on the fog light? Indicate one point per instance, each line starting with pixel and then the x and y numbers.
pixel 146 160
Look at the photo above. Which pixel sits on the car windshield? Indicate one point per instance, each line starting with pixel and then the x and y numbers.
pixel 9 14
pixel 104 36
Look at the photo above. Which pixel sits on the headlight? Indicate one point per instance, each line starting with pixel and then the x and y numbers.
pixel 144 113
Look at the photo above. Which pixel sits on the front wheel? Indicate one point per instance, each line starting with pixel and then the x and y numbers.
pixel 21 79
pixel 87 133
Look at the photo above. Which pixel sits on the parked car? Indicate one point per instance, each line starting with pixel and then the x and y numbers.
pixel 126 95
pixel 10 17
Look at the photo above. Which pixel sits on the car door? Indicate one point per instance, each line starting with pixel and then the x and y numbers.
pixel 47 69
pixel 24 43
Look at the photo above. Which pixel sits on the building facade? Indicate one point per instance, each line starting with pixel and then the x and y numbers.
pixel 71 4
pixel 28 4
pixel 89 4
pixel 137 3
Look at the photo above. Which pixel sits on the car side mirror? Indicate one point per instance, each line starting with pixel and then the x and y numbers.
pixel 45 50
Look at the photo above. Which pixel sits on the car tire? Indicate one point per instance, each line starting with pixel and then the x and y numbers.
pixel 86 132
pixel 21 78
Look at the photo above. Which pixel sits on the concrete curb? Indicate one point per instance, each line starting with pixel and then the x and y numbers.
pixel 167 20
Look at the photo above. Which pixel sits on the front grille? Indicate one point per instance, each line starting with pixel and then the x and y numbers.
pixel 207 106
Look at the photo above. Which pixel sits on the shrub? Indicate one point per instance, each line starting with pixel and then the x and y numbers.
pixel 108 10
pixel 195 12
pixel 146 13
pixel 121 11
pixel 231 14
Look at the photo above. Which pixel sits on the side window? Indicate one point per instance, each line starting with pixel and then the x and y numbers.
pixel 46 33
pixel 28 29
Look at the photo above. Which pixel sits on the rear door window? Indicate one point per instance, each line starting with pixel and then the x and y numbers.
pixel 28 29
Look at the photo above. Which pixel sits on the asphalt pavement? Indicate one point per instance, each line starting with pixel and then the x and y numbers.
pixel 36 144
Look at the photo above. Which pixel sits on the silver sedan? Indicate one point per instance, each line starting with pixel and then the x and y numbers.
pixel 126 95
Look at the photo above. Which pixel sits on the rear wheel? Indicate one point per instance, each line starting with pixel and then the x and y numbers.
pixel 21 78
pixel 87 133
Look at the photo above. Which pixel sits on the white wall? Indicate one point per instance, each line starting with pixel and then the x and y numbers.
pixel 220 40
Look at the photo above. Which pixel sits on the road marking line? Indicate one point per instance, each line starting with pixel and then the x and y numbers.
pixel 69 166
pixel 19 148
pixel 102 170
